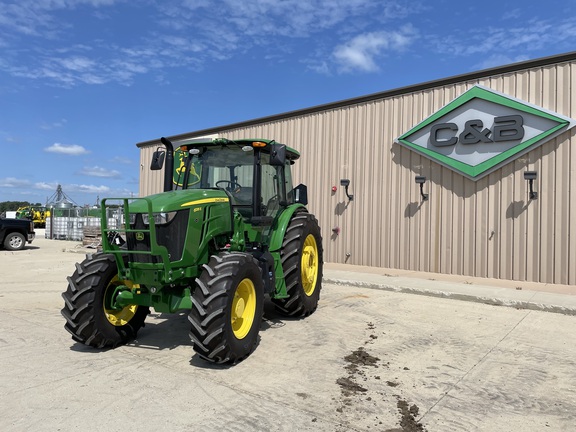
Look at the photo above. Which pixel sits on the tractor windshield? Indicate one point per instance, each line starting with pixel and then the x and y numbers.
pixel 222 167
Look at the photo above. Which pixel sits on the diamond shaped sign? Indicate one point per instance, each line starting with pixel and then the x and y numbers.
pixel 482 130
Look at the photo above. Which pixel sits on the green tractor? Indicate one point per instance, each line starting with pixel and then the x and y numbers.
pixel 228 229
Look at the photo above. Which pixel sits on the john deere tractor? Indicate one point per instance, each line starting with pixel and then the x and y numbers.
pixel 228 229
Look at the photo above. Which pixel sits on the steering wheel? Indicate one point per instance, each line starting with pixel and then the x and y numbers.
pixel 232 186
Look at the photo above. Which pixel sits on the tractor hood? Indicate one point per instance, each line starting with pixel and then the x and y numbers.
pixel 178 200
pixel 166 233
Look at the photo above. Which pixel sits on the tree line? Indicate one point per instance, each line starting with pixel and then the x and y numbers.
pixel 15 205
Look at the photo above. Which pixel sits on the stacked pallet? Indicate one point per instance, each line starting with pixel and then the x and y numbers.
pixel 92 236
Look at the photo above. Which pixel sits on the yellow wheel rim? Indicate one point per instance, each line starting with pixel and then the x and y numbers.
pixel 309 265
pixel 243 308
pixel 118 317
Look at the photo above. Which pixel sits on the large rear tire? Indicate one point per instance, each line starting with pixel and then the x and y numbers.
pixel 90 318
pixel 301 256
pixel 227 307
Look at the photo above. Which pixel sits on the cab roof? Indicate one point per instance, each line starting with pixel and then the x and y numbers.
pixel 291 153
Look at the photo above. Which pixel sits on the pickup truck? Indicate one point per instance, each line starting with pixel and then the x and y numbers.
pixel 14 233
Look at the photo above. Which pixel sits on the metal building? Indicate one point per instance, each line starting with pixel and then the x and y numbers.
pixel 478 144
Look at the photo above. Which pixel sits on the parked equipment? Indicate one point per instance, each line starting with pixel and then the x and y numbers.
pixel 228 229
pixel 37 214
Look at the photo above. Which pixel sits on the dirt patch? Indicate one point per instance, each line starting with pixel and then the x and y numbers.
pixel 409 414
pixel 359 358
pixel 362 390
pixel 356 360
pixel 349 387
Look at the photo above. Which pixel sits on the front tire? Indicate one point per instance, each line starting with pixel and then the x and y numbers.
pixel 90 318
pixel 227 308
pixel 301 256
pixel 14 241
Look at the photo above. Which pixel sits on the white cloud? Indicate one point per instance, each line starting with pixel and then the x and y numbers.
pixel 122 160
pixel 87 188
pixel 35 17
pixel 56 54
pixel 363 51
pixel 499 60
pixel 77 64
pixel 12 182
pixel 191 34
pixel 73 149
pixel 53 125
pixel 76 192
pixel 509 41
pixel 318 66
pixel 97 171
pixel 46 186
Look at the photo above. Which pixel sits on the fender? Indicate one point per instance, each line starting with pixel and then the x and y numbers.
pixel 277 236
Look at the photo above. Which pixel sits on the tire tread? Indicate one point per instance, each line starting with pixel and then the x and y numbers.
pixel 79 310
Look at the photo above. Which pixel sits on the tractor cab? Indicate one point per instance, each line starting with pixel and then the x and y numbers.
pixel 255 174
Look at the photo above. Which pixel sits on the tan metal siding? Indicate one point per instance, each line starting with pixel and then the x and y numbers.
pixel 151 182
pixel 485 228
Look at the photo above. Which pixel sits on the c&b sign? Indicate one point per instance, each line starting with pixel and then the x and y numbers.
pixel 482 130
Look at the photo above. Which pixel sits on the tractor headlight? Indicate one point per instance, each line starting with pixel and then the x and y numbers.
pixel 161 218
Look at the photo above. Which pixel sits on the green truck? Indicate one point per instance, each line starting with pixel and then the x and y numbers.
pixel 229 229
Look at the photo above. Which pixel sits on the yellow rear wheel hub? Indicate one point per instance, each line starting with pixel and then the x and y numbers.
pixel 243 308
pixel 309 265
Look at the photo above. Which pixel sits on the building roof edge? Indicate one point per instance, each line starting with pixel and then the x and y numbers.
pixel 499 70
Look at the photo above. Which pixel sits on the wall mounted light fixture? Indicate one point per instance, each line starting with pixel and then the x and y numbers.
pixel 346 183
pixel 421 180
pixel 531 176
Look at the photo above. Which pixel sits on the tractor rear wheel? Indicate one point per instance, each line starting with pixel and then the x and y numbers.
pixel 301 256
pixel 227 307
pixel 90 318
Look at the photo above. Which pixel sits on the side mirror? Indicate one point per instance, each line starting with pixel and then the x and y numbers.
pixel 157 160
pixel 301 194
pixel 277 154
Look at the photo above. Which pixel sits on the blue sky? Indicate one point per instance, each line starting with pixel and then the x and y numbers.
pixel 82 81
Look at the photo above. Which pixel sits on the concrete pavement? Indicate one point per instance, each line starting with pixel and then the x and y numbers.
pixel 371 358
pixel 521 295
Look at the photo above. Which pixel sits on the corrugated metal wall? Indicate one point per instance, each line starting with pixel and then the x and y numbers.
pixel 484 228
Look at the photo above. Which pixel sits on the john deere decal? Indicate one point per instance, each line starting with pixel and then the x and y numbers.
pixel 482 130
pixel 180 159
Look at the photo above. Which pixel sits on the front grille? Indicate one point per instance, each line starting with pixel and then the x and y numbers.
pixel 171 235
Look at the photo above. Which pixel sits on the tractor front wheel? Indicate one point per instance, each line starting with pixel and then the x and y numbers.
pixel 227 306
pixel 90 317
pixel 301 256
